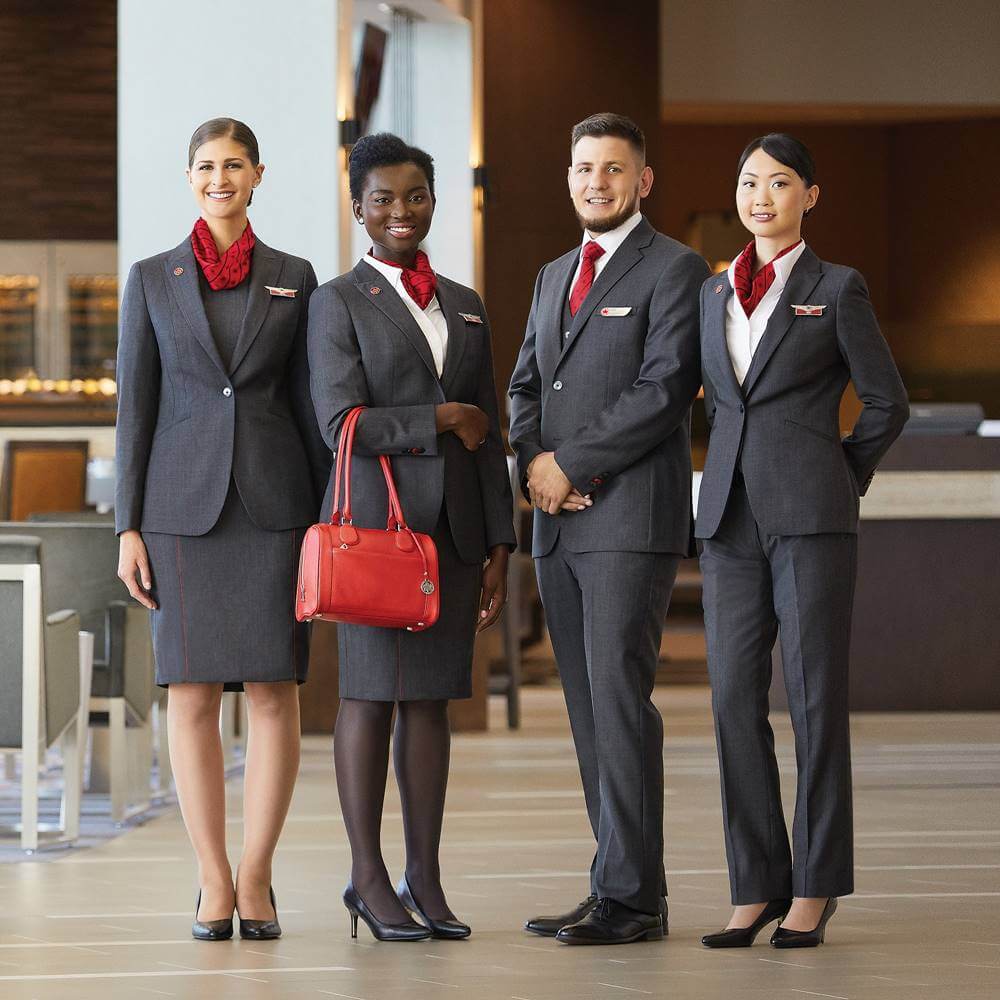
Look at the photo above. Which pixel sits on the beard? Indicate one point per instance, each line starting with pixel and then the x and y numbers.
pixel 606 224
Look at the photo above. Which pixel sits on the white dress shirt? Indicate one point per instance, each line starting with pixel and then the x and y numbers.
pixel 743 333
pixel 431 320
pixel 609 243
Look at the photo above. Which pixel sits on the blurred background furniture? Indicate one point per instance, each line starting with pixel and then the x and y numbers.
pixel 42 476
pixel 40 671
pixel 82 567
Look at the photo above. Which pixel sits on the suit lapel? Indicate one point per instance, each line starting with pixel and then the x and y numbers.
pixel 622 261
pixel 458 334
pixel 803 279
pixel 716 314
pixel 265 270
pixel 181 276
pixel 377 290
pixel 549 335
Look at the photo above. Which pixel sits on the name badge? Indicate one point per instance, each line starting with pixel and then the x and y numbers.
pixel 472 318
pixel 285 293
pixel 616 310
pixel 808 310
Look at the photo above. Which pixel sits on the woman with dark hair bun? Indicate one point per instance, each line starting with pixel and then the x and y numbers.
pixel 220 468
pixel 782 334
pixel 413 347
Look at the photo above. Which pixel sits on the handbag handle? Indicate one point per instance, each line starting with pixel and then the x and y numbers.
pixel 345 451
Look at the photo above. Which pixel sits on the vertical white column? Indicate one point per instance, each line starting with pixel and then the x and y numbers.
pixel 274 67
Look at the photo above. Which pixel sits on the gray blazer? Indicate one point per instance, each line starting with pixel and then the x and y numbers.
pixel 186 425
pixel 365 349
pixel 612 399
pixel 782 424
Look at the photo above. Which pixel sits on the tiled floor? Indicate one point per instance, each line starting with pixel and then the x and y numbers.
pixel 113 922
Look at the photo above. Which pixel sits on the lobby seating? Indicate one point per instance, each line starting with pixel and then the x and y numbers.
pixel 40 684
pixel 42 476
pixel 82 565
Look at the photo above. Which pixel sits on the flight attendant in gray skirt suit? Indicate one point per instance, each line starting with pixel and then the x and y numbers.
pixel 412 347
pixel 220 467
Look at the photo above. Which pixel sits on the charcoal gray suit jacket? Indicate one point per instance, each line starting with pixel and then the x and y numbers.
pixel 613 399
pixel 187 424
pixel 782 425
pixel 366 349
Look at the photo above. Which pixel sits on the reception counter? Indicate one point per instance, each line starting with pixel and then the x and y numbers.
pixel 926 631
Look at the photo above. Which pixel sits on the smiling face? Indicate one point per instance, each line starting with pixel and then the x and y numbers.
pixel 222 179
pixel 396 208
pixel 772 198
pixel 607 180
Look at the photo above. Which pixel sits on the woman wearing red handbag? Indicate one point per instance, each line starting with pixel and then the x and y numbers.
pixel 413 348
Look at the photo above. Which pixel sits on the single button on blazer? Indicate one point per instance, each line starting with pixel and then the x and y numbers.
pixel 366 349
pixel 782 424
pixel 187 424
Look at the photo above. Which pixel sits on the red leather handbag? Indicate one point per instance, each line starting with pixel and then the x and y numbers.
pixel 367 576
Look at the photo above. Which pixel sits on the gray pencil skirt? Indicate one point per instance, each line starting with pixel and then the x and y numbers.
pixel 226 603
pixel 390 664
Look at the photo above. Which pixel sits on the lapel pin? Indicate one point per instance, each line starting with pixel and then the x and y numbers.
pixel 375 290
pixel 808 310
pixel 285 293
pixel 718 288
pixel 178 271
pixel 471 318
pixel 616 310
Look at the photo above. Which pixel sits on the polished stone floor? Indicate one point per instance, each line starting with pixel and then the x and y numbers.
pixel 112 922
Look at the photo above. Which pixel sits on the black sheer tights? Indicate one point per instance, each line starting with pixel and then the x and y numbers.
pixel 421 749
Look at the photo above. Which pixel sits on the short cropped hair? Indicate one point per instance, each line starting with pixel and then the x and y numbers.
pixel 608 123
pixel 383 149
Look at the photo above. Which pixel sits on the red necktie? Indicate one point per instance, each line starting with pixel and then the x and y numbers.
pixel 420 281
pixel 591 251
pixel 750 287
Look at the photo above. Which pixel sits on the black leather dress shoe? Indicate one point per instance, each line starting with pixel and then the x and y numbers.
pixel 611 922
pixel 210 930
pixel 550 926
pixel 743 937
pixel 785 938
pixel 261 930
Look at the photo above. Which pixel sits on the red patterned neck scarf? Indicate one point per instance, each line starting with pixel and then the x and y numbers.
pixel 750 287
pixel 232 267
pixel 419 281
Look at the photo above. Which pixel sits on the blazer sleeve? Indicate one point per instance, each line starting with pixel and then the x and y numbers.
pixel 338 381
pixel 649 410
pixel 525 434
pixel 876 381
pixel 302 404
pixel 138 379
pixel 491 458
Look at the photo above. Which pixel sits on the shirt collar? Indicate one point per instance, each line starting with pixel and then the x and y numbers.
pixel 782 266
pixel 393 274
pixel 610 241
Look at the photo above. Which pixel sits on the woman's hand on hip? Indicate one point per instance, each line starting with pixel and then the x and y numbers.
pixel 467 421
pixel 133 568
pixel 494 587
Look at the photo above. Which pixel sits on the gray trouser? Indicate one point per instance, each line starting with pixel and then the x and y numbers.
pixel 605 613
pixel 801 587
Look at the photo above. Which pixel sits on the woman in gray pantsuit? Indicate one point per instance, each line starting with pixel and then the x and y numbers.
pixel 782 334
pixel 220 467
pixel 414 348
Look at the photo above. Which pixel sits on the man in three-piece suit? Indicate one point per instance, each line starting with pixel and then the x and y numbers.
pixel 600 402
